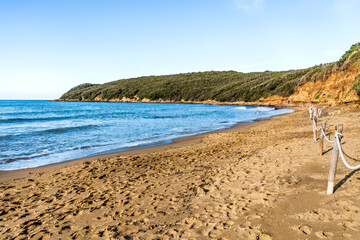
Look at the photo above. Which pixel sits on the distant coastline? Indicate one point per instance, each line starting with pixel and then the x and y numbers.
pixel 209 102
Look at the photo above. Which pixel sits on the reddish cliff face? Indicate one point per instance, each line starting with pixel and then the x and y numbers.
pixel 335 89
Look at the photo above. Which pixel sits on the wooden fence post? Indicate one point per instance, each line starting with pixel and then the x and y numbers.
pixel 321 141
pixel 316 112
pixel 319 112
pixel 314 130
pixel 333 163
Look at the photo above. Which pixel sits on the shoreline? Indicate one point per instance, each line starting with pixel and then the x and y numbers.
pixel 9 175
pixel 209 102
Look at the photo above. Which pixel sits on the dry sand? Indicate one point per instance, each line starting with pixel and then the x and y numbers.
pixel 263 181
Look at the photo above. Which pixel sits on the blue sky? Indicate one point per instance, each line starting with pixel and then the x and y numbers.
pixel 47 47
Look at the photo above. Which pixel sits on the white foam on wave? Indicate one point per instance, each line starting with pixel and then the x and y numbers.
pixel 257 109
pixel 263 109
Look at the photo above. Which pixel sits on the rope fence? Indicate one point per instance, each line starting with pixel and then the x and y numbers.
pixel 324 135
pixel 316 113
pixel 342 155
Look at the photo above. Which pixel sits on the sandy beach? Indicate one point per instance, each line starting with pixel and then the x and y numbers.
pixel 264 180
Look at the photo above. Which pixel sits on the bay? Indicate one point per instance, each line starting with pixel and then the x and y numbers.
pixel 36 133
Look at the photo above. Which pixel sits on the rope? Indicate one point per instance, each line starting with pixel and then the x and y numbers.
pixel 323 133
pixel 314 125
pixel 337 140
pixel 342 154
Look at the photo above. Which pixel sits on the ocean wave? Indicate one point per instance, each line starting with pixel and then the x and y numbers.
pixel 67 129
pixel 18 120
pixel 257 109
pixel 241 108
pixel 58 118
pixel 10 160
pixel 44 153
pixel 263 109
pixel 49 131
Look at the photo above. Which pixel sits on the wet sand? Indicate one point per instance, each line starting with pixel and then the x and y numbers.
pixel 257 181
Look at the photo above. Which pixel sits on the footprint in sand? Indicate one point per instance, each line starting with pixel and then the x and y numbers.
pixel 323 235
pixel 305 229
pixel 41 235
pixel 264 236
pixel 346 235
pixel 351 225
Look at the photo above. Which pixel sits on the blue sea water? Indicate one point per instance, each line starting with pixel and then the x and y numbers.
pixel 36 133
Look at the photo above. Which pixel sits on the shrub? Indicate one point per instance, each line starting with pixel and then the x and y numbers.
pixel 356 86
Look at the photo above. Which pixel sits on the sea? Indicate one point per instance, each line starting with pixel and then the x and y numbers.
pixel 37 132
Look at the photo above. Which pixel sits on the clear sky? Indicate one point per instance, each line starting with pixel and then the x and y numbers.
pixel 47 47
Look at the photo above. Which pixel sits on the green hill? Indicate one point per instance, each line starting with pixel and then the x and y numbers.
pixel 222 86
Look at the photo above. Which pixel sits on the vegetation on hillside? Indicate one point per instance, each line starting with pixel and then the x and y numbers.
pixel 356 86
pixel 220 86
pixel 83 86
pixel 350 52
